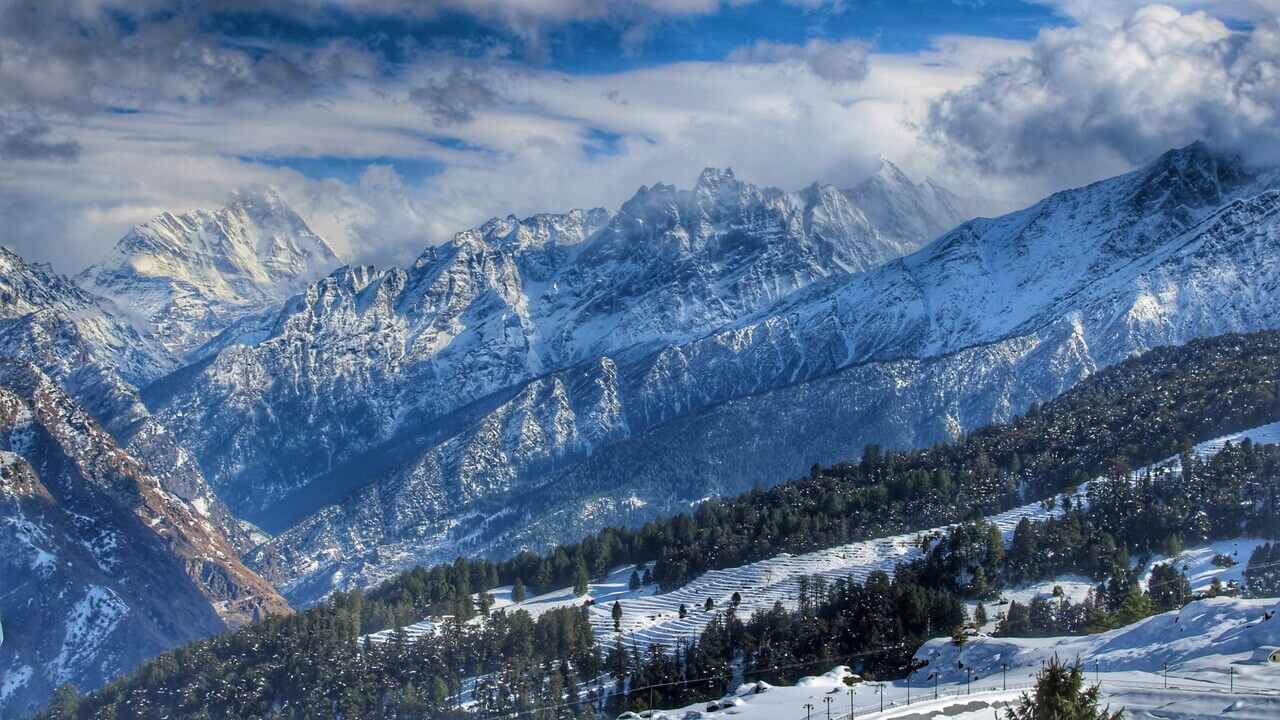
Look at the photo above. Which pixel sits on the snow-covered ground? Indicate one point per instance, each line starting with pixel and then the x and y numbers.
pixel 1209 645
pixel 656 618
pixel 1196 562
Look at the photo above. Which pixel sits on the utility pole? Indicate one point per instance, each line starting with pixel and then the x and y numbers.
pixel 1096 670
pixel 969 681
pixel 828 701
pixel 808 709
pixel 880 687
pixel 1231 671
pixel 1166 676
pixel 1004 676
pixel 935 675
pixel 852 691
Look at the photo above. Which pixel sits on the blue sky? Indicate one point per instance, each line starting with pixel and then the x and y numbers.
pixel 605 45
pixel 392 124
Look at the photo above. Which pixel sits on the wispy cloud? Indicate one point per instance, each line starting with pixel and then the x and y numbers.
pixel 837 61
pixel 455 99
pixel 35 141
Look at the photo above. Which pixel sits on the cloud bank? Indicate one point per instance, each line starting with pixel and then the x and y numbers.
pixel 1116 95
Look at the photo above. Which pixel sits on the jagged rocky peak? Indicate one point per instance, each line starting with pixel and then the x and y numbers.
pixel 193 274
pixel 1191 176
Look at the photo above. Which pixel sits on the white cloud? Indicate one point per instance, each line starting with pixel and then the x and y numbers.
pixel 837 61
pixel 776 123
pixel 1099 97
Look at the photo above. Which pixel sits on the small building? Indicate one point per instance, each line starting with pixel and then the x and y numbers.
pixel 1267 655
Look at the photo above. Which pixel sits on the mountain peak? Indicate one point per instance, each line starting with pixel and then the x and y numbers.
pixel 1192 176
pixel 887 172
pixel 195 273
pixel 259 201
pixel 713 182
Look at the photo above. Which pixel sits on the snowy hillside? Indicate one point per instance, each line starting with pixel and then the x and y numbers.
pixel 98 355
pixel 191 275
pixel 652 618
pixel 121 568
pixel 1210 646
pixel 34 299
pixel 971 329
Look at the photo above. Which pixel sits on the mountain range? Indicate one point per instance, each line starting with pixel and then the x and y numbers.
pixel 251 425
pixel 988 319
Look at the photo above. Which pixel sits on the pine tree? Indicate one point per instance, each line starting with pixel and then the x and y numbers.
pixel 617 616
pixel 980 589
pixel 64 703
pixel 635 581
pixel 1168 587
pixel 736 599
pixel 1136 606
pixel 684 611
pixel 709 605
pixel 1060 695
pixel 980 615
pixel 517 591
pixel 580 580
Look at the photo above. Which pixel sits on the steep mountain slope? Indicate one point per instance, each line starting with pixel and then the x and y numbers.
pixel 37 294
pixel 989 318
pixel 93 351
pixel 194 274
pixel 120 569
pixel 400 359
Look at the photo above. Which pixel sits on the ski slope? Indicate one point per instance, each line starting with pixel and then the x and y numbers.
pixel 655 619
pixel 1210 647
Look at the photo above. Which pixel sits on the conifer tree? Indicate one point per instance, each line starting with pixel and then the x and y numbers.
pixel 1060 695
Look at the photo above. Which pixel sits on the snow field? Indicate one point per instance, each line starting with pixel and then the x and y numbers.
pixel 1205 644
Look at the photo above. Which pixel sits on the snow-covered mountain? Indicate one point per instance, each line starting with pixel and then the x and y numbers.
pixel 120 568
pixel 992 316
pixel 98 355
pixel 396 358
pixel 192 275
pixel 35 294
